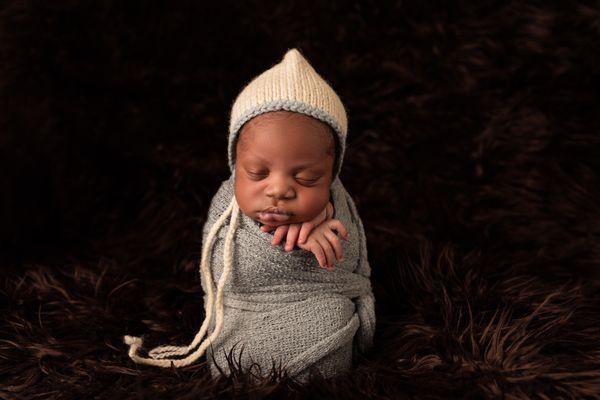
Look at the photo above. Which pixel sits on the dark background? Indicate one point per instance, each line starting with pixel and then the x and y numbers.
pixel 472 156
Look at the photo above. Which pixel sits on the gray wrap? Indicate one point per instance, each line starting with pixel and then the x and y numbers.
pixel 282 307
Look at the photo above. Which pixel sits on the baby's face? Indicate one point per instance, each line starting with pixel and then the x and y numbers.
pixel 283 160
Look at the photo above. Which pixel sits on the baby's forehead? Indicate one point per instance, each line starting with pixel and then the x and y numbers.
pixel 250 137
pixel 318 133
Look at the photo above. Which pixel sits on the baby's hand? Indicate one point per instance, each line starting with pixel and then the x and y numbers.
pixel 297 232
pixel 324 242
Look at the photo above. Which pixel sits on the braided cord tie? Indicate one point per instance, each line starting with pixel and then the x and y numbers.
pixel 159 355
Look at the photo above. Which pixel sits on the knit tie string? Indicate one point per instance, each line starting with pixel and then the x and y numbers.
pixel 159 354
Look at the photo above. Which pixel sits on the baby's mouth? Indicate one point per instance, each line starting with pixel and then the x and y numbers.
pixel 273 217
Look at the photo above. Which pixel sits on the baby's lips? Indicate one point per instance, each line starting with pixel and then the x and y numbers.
pixel 273 217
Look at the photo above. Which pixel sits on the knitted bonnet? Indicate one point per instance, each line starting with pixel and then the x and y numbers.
pixel 291 85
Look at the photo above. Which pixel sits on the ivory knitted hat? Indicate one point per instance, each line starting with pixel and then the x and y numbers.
pixel 291 85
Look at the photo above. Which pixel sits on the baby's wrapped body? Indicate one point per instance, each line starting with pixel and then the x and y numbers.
pixel 281 308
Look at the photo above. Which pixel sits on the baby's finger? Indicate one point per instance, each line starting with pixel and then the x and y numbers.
pixel 334 240
pixel 328 252
pixel 329 210
pixel 339 227
pixel 319 253
pixel 304 231
pixel 266 228
pixel 279 234
pixel 292 236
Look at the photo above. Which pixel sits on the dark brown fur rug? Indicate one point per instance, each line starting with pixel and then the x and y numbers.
pixel 473 158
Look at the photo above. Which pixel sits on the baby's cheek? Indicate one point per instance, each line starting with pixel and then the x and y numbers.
pixel 315 209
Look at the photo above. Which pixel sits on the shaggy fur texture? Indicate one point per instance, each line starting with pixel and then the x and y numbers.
pixel 472 157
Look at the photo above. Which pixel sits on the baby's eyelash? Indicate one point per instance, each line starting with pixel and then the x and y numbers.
pixel 258 174
pixel 255 173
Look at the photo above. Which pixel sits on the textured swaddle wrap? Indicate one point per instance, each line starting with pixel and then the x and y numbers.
pixel 282 306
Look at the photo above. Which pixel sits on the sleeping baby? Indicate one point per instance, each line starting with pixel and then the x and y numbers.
pixel 307 307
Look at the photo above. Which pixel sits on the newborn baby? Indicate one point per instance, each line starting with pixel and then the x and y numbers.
pixel 276 308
